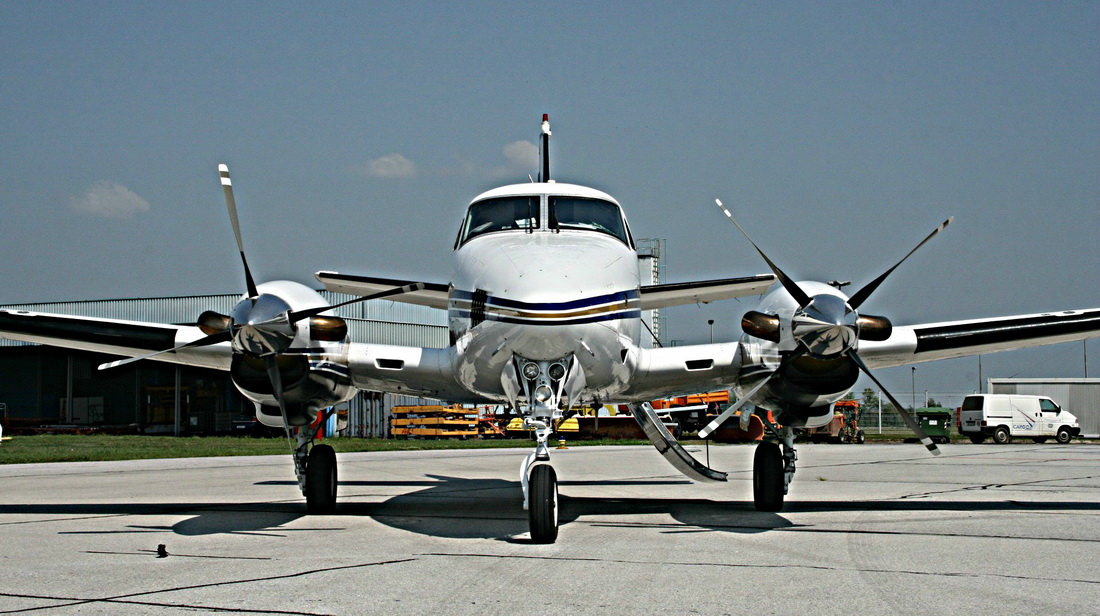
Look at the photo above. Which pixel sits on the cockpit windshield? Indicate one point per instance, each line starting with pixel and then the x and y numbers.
pixel 501 214
pixel 589 215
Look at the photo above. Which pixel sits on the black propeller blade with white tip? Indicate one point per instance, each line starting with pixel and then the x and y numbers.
pixel 861 296
pixel 231 204
pixel 225 336
pixel 731 409
pixel 796 292
pixel 905 416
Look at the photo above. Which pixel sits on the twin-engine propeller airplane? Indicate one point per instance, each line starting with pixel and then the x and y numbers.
pixel 544 309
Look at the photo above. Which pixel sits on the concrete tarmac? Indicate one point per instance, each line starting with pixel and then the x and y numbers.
pixel 983 529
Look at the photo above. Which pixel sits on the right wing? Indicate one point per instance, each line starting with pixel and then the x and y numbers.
pixel 114 336
pixel 433 294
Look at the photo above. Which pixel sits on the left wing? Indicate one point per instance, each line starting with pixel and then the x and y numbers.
pixel 931 341
pixel 704 291
pixel 114 336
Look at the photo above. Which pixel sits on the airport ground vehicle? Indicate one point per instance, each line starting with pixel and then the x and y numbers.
pixel 1004 416
pixel 844 428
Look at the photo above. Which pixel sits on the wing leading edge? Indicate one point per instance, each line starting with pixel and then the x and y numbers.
pixel 931 341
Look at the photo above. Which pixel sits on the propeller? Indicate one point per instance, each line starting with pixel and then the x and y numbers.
pixel 823 326
pixel 261 325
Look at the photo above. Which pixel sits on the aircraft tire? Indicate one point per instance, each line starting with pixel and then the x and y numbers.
pixel 321 480
pixel 767 477
pixel 542 504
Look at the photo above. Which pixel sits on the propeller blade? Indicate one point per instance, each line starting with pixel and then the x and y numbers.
pixel 298 315
pixel 225 336
pixel 861 296
pixel 231 204
pixel 796 292
pixel 905 416
pixel 731 409
pixel 271 362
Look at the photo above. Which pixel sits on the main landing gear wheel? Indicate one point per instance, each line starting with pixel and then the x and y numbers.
pixel 321 480
pixel 767 477
pixel 542 506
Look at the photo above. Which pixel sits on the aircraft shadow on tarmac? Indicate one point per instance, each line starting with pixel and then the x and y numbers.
pixel 452 507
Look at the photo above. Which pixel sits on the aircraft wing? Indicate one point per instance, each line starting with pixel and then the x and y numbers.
pixel 114 336
pixel 433 294
pixel 705 291
pixel 931 341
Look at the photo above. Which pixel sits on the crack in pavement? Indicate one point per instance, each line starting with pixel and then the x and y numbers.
pixel 613 561
pixel 129 598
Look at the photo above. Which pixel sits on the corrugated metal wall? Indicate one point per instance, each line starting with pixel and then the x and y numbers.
pixel 1079 396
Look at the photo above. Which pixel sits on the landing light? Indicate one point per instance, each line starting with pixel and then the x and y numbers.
pixel 531 370
pixel 556 371
pixel 543 393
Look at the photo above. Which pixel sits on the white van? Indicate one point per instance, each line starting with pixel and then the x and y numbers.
pixel 1004 416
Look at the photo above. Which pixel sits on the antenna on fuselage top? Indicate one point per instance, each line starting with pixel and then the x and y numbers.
pixel 545 175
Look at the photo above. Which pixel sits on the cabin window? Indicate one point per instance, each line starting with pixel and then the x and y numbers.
pixel 501 214
pixel 1048 406
pixel 588 215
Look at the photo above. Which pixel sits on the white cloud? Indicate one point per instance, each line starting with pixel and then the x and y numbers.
pixel 390 166
pixel 522 154
pixel 109 200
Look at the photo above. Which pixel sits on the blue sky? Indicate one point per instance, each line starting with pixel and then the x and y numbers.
pixel 839 133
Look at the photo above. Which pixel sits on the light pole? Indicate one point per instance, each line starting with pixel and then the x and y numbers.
pixel 914 368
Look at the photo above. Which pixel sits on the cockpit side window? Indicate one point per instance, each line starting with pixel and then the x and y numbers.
pixel 501 214
pixel 589 215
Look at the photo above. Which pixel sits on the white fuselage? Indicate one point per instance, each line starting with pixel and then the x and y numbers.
pixel 544 292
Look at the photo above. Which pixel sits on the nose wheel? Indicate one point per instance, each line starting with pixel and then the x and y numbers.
pixel 542 504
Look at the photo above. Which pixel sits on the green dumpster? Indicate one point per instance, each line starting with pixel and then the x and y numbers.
pixel 936 423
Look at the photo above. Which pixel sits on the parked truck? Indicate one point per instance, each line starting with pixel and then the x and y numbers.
pixel 1005 416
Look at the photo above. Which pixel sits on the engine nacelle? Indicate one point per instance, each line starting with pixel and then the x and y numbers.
pixel 803 393
pixel 310 355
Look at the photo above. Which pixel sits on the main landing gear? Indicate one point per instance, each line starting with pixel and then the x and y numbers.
pixel 315 467
pixel 773 467
pixel 540 486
